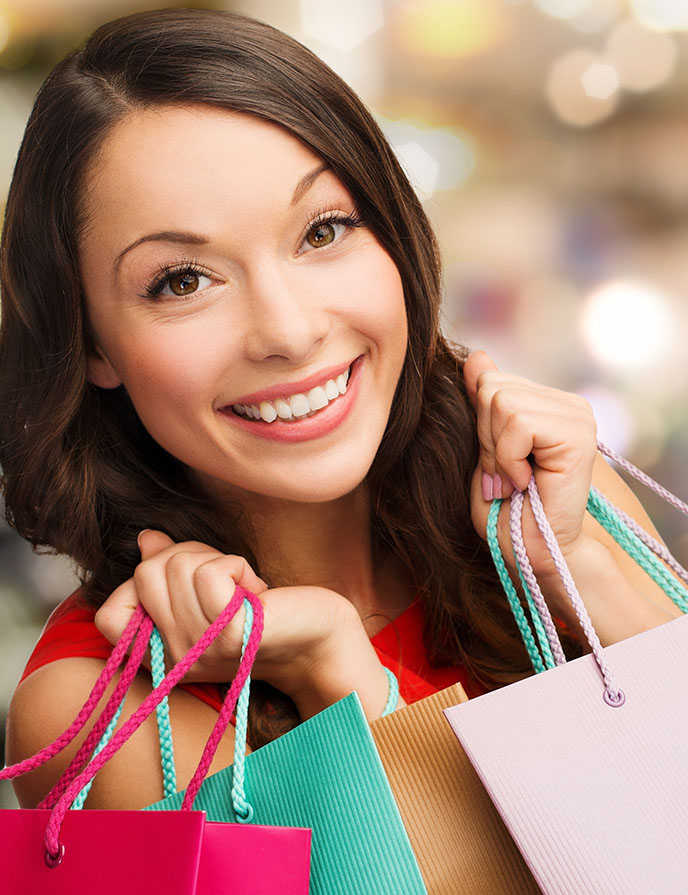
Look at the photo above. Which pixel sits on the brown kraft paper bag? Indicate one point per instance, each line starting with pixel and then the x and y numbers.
pixel 460 841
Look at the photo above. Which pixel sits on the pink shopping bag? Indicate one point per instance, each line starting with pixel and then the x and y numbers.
pixel 67 852
pixel 586 762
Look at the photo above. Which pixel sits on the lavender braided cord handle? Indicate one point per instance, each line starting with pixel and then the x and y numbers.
pixel 108 672
pixel 642 477
pixel 613 696
pixel 54 849
pixel 515 527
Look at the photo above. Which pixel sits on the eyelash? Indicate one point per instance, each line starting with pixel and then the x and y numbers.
pixel 191 268
pixel 166 272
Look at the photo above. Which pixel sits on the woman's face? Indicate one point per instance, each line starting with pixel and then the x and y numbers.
pixel 226 272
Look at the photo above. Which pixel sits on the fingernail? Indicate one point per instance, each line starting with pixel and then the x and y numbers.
pixel 514 485
pixel 488 486
pixel 497 485
pixel 142 532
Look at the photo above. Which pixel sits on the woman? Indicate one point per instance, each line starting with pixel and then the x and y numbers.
pixel 221 362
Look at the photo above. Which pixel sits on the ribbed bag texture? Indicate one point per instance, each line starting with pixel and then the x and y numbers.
pixel 595 796
pixel 459 839
pixel 326 774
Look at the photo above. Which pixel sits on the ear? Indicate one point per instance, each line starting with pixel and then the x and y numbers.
pixel 99 370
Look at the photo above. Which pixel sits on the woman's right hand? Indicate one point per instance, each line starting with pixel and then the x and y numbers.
pixel 314 645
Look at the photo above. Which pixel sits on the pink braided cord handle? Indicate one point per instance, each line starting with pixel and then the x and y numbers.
pixel 613 695
pixel 52 833
pixel 125 680
pixel 111 666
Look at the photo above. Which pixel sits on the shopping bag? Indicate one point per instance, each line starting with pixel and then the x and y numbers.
pixel 67 852
pixel 325 774
pixel 586 762
pixel 458 837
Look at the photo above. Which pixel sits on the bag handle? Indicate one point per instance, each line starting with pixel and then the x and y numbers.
pixel 647 551
pixel 109 713
pixel 613 696
pixel 162 716
pixel 54 848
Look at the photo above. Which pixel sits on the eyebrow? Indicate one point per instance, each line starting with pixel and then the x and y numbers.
pixel 184 236
pixel 307 182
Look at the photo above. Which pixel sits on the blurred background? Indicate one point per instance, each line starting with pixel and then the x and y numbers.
pixel 548 140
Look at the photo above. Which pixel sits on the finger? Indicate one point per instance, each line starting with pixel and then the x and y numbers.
pixel 198 586
pixel 151 542
pixel 477 363
pixel 115 613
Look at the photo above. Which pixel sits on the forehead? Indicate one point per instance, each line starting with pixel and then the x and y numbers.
pixel 184 160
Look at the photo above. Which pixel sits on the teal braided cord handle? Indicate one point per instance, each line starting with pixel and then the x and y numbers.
pixel 162 714
pixel 638 544
pixel 514 602
pixel 243 810
pixel 78 802
pixel 608 517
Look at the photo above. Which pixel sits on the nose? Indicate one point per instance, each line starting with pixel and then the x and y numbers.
pixel 287 316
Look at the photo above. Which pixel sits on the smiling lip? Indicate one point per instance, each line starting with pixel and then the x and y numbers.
pixel 309 427
pixel 291 388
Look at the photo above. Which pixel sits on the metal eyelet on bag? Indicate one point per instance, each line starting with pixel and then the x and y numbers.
pixel 54 860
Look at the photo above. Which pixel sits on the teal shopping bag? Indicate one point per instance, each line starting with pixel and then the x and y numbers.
pixel 325 774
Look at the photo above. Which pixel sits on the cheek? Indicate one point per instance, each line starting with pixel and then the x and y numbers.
pixel 377 295
pixel 173 366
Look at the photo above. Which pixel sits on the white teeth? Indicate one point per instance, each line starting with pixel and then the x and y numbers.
pixel 296 406
pixel 300 405
pixel 267 411
pixel 317 398
pixel 283 409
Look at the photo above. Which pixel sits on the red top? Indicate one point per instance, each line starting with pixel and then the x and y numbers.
pixel 71 632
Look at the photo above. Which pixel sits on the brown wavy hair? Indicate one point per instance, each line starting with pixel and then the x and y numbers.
pixel 80 473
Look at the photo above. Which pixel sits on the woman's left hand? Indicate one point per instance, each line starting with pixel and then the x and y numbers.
pixel 528 429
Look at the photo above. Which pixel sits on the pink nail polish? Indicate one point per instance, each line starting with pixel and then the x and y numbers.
pixel 488 486
pixel 497 485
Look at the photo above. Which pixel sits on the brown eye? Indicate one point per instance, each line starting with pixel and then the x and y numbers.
pixel 321 235
pixel 183 283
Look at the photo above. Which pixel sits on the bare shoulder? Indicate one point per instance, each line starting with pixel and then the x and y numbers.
pixel 47 702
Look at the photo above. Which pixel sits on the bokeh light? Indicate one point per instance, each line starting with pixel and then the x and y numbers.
pixel 627 323
pixel 341 25
pixel 567 92
pixel 664 15
pixel 643 59
pixel 434 158
pixel 563 9
pixel 450 28
pixel 600 80
pixel 615 423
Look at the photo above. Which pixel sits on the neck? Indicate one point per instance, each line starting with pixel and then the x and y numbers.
pixel 327 545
